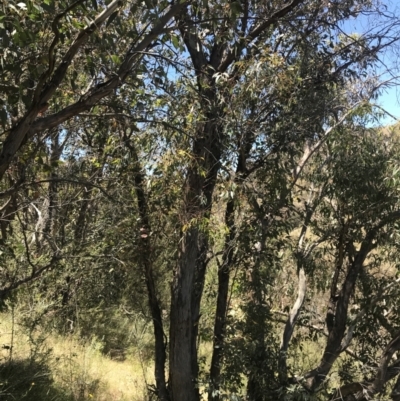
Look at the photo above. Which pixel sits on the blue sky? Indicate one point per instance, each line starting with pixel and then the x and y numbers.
pixel 390 97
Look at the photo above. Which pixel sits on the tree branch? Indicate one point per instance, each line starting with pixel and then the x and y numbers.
pixel 255 33
pixel 28 125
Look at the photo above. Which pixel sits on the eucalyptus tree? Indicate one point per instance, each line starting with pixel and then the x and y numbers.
pixel 292 42
pixel 59 60
pixel 223 95
pixel 347 252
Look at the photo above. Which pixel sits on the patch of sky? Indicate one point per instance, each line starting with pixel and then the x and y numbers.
pixel 385 19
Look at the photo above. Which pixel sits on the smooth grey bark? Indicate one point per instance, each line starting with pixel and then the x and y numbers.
pixel 7 214
pixel 87 201
pixel 291 322
pixel 382 372
pixel 382 320
pixel 188 282
pixel 182 377
pixel 303 252
pixel 46 227
pixel 294 314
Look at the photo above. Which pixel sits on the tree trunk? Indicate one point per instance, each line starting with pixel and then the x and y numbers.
pixel 187 290
pixel 190 271
pixel 146 260
pixel 291 322
pixel 222 302
pixel 384 373
pixel 334 343
pixel 224 272
pixel 182 372
pixel 255 385
pixel 333 346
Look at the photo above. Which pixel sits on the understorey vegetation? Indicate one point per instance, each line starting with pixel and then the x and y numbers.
pixel 204 186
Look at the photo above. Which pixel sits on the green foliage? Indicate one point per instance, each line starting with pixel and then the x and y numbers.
pixel 231 137
pixel 28 380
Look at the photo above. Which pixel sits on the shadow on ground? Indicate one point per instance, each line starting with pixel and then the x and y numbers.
pixel 29 381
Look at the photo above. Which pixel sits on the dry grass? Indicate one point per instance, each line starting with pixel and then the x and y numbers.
pixel 79 370
pixel 93 376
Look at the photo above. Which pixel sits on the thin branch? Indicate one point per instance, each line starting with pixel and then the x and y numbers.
pixel 318 329
pixel 28 125
pixel 349 335
pixel 255 33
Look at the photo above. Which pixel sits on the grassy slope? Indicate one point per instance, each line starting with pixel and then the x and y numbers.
pixel 63 368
